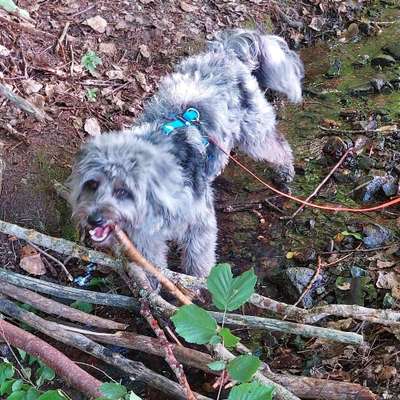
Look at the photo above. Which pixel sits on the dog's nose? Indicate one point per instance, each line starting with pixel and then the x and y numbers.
pixel 96 219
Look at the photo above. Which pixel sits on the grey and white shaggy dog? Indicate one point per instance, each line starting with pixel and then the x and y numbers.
pixel 155 179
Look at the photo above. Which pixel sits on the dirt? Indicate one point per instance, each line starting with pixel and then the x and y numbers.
pixel 147 37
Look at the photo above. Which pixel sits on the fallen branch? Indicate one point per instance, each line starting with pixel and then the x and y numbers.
pixel 195 284
pixel 139 260
pixel 355 131
pixel 251 322
pixel 135 369
pixel 303 387
pixel 169 354
pixel 27 28
pixel 52 307
pixel 15 134
pixel 66 292
pixel 62 365
pixel 164 308
pixel 23 104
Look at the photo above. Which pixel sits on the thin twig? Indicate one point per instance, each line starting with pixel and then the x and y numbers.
pixel 310 284
pixel 50 306
pixel 318 188
pixel 23 104
pixel 67 273
pixel 15 134
pixel 62 37
pixel 138 259
pixel 353 131
pixel 169 354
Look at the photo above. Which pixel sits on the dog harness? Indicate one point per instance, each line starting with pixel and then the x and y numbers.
pixel 191 117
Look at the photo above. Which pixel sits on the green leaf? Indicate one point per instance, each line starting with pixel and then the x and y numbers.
pixel 216 365
pixel 215 340
pixel 194 324
pixel 17 385
pixel 6 387
pixel 230 293
pixel 43 374
pixel 91 94
pixel 91 61
pixel 82 306
pixel 355 235
pixel 96 281
pixel 229 339
pixel 52 395
pixel 18 395
pixel 22 354
pixel 6 371
pixel 251 391
pixel 113 391
pixel 32 394
pixel 243 368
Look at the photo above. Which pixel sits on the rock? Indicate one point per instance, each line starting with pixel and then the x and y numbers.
pixel 383 60
pixel 4 52
pixel 97 23
pixel 335 69
pixel 377 186
pixel 31 86
pixel 187 7
pixel 362 91
pixel 299 278
pixel 361 61
pixel 381 85
pixel 92 127
pixel 375 235
pixel 108 48
pixel 144 51
pixel 393 49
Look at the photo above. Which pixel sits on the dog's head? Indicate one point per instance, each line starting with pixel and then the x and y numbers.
pixel 121 178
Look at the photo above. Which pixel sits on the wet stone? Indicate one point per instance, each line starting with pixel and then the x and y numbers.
pixel 377 186
pixel 299 278
pixel 381 85
pixel 362 91
pixel 335 69
pixel 375 235
pixel 393 49
pixel 383 60
pixel 361 61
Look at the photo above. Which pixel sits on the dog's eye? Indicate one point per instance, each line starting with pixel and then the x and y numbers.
pixel 122 194
pixel 91 185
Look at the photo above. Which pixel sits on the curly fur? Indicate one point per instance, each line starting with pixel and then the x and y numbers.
pixel 167 180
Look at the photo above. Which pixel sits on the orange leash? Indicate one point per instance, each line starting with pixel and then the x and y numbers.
pixel 304 202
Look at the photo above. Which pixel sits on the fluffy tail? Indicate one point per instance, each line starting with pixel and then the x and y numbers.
pixel 272 62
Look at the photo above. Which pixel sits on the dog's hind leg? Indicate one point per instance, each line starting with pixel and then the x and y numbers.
pixel 198 245
pixel 260 140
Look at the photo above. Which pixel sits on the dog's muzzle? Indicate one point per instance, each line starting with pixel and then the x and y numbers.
pixel 101 227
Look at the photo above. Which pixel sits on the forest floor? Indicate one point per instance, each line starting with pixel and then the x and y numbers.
pixel 352 92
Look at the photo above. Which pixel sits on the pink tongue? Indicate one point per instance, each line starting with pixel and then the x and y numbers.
pixel 99 232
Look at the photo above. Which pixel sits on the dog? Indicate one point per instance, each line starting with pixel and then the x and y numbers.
pixel 155 178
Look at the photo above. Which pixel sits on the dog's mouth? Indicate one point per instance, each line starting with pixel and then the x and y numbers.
pixel 101 233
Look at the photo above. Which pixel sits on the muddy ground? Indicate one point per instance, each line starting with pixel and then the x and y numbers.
pixel 351 91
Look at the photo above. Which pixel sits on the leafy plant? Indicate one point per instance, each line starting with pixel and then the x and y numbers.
pixel 198 326
pixel 115 391
pixel 23 389
pixel 82 306
pixel 91 94
pixel 91 61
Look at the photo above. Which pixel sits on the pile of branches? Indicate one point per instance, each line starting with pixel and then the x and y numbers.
pixel 15 288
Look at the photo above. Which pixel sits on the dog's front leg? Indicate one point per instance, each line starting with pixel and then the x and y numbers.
pixel 155 250
pixel 199 244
